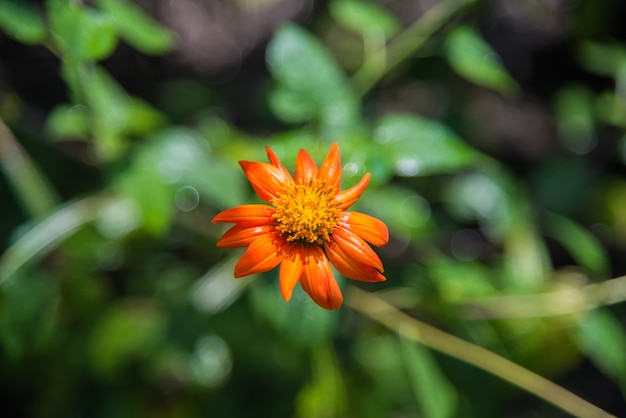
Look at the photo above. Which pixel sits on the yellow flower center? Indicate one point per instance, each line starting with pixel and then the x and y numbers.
pixel 307 213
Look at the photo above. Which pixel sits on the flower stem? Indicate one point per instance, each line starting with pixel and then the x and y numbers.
pixel 413 329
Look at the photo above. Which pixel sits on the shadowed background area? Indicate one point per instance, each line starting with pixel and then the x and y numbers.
pixel 494 132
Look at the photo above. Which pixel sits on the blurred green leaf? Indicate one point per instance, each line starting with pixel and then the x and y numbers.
pixel 127 331
pixel 115 114
pixel 472 58
pixel 139 30
pixel 305 69
pixel 28 314
pixel 403 210
pixel 434 394
pixel 82 33
pixel 154 198
pixel 299 321
pixel 47 233
pixel 291 106
pixel 574 108
pixel 22 21
pixel 458 281
pixel 419 147
pixel 68 121
pixel 581 244
pixel 324 396
pixel 601 337
pixel 364 17
pixel 606 59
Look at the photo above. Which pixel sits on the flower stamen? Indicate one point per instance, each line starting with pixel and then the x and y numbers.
pixel 307 213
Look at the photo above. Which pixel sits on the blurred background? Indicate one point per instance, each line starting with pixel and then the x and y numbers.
pixel 494 132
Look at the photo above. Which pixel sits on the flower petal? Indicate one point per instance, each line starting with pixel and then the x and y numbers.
pixel 246 215
pixel 306 170
pixel 263 254
pixel 347 197
pixel 318 279
pixel 330 170
pixel 350 268
pixel 371 229
pixel 291 268
pixel 355 248
pixel 266 180
pixel 276 162
pixel 242 236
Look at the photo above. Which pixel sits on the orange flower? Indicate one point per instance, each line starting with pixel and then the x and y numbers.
pixel 306 227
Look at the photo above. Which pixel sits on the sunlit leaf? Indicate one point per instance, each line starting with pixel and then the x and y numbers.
pixel 68 122
pixel 472 58
pixel 420 147
pixel 22 21
pixel 81 32
pixel 364 17
pixel 139 30
pixel 304 68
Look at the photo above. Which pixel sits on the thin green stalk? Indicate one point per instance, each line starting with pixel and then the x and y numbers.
pixel 571 300
pixel 31 187
pixel 380 311
pixel 405 44
pixel 46 235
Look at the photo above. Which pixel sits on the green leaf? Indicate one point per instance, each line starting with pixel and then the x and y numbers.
pixel 299 321
pixel 69 122
pixel 307 72
pixel 472 58
pixel 138 29
pixel 82 33
pixel 601 337
pixel 325 395
pixel 581 244
pixel 419 147
pixel 574 108
pixel 607 59
pixel 434 394
pixel 401 209
pixel 22 21
pixel 290 106
pixel 364 17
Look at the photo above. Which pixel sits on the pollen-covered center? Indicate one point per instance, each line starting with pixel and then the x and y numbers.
pixel 307 213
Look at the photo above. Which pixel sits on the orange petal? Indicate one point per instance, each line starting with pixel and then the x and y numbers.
pixel 246 215
pixel 349 267
pixel 351 195
pixel 330 170
pixel 266 179
pixel 355 248
pixel 276 162
pixel 291 268
pixel 262 255
pixel 306 170
pixel 367 227
pixel 318 279
pixel 241 236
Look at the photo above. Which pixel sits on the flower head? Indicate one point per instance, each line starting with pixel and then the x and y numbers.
pixel 305 227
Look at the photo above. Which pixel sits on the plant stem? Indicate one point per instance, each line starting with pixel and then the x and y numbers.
pixel 413 329
pixel 406 43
